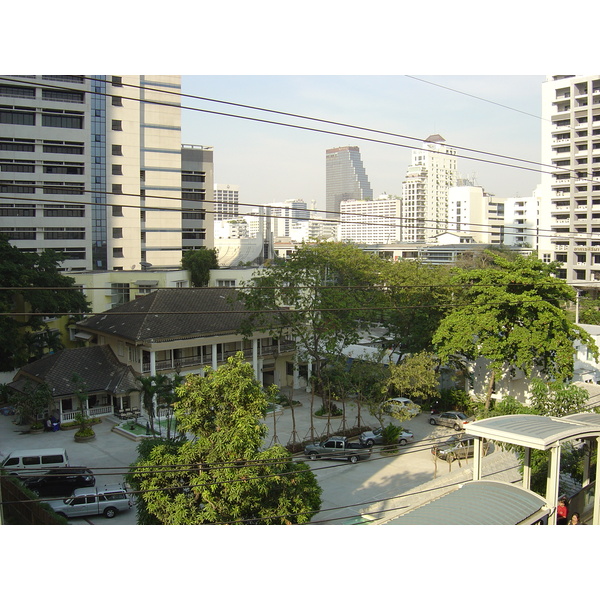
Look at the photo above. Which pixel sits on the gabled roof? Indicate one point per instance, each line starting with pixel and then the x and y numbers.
pixel 171 314
pixel 435 138
pixel 98 366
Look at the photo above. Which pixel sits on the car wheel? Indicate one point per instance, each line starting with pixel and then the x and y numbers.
pixel 110 512
pixel 402 442
pixel 313 456
pixel 456 427
pixel 353 459
pixel 432 421
pixel 369 443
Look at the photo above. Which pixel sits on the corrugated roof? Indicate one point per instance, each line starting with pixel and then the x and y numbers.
pixel 530 431
pixel 478 503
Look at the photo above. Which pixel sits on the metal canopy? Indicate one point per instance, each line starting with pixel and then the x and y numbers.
pixel 533 431
pixel 479 503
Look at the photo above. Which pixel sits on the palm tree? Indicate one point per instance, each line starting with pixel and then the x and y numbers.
pixel 147 390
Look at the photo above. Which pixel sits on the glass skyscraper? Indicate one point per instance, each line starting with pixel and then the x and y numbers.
pixel 346 178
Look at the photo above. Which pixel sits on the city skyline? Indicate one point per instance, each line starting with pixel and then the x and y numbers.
pixel 497 114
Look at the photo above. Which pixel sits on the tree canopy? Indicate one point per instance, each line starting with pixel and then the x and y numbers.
pixel 320 295
pixel 199 262
pixel 34 286
pixel 222 474
pixel 513 315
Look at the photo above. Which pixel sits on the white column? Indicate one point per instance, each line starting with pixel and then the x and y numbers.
pixel 296 381
pixel 596 519
pixel 527 468
pixel 152 363
pixel 255 358
pixel 308 375
pixel 214 357
pixel 477 449
pixel 552 482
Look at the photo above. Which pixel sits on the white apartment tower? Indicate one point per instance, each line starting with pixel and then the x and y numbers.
pixel 91 166
pixel 370 221
pixel 430 175
pixel 227 199
pixel 570 190
pixel 474 212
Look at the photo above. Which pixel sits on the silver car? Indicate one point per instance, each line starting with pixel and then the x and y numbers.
pixel 368 438
pixel 108 501
pixel 452 418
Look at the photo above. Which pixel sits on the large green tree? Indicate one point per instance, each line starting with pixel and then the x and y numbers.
pixel 221 474
pixel 512 315
pixel 199 262
pixel 33 286
pixel 321 296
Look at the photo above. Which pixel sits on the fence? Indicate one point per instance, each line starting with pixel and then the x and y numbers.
pixel 16 511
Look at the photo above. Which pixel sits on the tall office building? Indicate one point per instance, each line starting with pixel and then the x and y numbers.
pixel 197 219
pixel 430 175
pixel 346 178
pixel 285 215
pixel 570 190
pixel 90 167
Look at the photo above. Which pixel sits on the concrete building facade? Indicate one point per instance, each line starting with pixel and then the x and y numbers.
pixel 91 166
pixel 370 221
pixel 346 178
pixel 431 174
pixel 570 190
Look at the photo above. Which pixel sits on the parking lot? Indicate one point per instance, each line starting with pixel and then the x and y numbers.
pixel 377 486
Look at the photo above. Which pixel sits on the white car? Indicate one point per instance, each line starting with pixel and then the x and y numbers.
pixel 107 501
pixel 412 408
pixel 368 438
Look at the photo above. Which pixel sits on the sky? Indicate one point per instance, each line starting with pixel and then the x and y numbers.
pixel 271 163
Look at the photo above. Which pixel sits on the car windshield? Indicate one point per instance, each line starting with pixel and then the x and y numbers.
pixel 461 415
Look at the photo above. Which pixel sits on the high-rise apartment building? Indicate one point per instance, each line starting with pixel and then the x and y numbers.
pixel 346 178
pixel 90 166
pixel 197 219
pixel 570 191
pixel 227 199
pixel 474 212
pixel 370 221
pixel 284 215
pixel 430 175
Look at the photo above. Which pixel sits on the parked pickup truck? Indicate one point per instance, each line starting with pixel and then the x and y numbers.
pixel 338 448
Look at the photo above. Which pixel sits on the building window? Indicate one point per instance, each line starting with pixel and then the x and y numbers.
pixel 118 253
pixel 117 81
pixel 57 147
pixel 117 211
pixel 12 167
pixel 17 117
pixel 117 150
pixel 60 96
pixel 117 125
pixel 117 170
pixel 13 91
pixel 117 101
pixel 17 145
pixel 63 169
pixel 64 120
pixel 117 232
pixel 119 293
pixel 117 188
pixel 53 210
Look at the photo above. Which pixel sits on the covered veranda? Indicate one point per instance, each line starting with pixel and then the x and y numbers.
pixel 489 503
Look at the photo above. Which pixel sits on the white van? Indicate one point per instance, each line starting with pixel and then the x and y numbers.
pixel 41 460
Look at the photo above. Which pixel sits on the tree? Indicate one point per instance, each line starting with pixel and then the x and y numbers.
pixel 414 377
pixel 513 316
pixel 152 386
pixel 35 287
pixel 199 263
pixel 419 299
pixel 35 399
pixel 320 296
pixel 220 474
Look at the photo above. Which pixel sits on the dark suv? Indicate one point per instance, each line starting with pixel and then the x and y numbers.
pixel 59 482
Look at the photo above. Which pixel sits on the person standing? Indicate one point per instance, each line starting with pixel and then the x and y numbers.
pixel 562 512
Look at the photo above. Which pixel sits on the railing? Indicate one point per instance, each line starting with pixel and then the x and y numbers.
pixel 97 411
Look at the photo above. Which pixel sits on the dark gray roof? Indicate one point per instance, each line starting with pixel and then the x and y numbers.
pixel 478 503
pixel 171 314
pixel 97 365
pixel 436 137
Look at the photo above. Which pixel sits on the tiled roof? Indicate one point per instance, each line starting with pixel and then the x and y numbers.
pixel 436 137
pixel 97 365
pixel 170 314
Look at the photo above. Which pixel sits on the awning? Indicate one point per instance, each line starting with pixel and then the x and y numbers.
pixel 146 282
pixel 82 335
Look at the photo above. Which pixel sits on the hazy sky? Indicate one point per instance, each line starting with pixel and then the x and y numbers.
pixel 272 163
